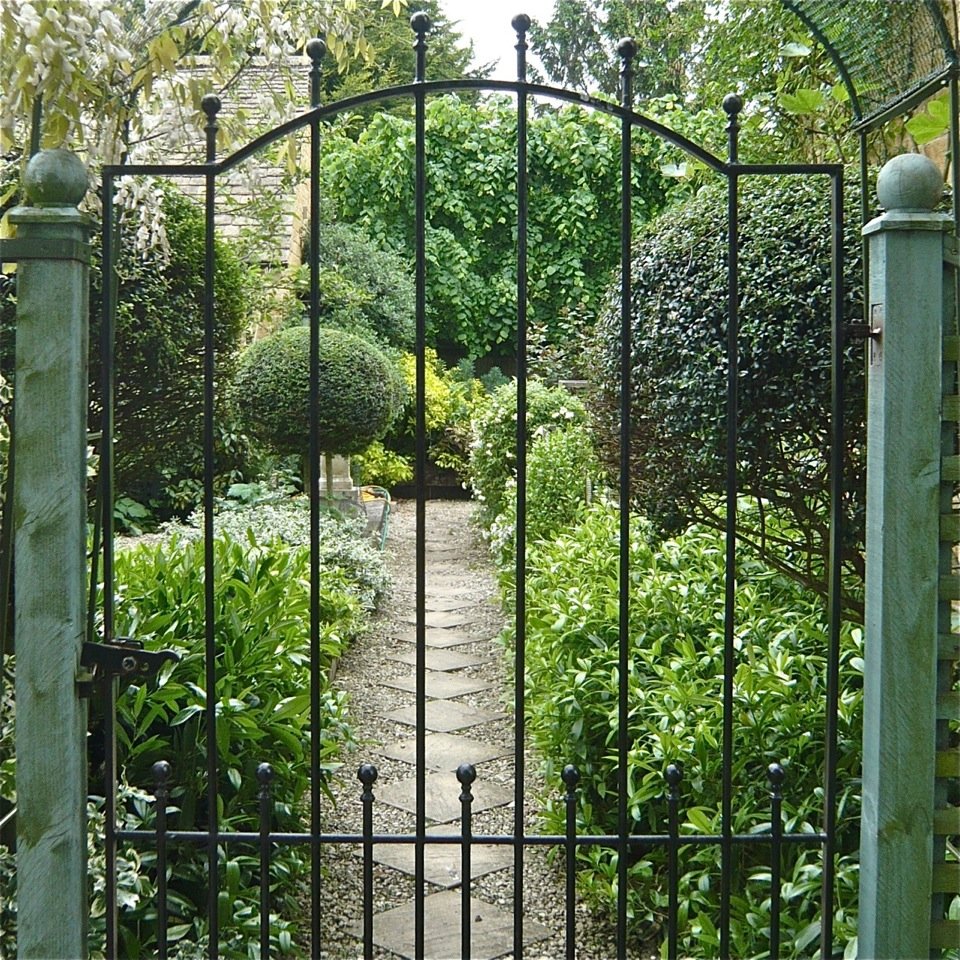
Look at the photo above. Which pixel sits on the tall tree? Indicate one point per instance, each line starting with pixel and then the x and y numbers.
pixel 578 45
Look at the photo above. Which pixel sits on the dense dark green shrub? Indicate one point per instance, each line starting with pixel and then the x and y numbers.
pixel 679 330
pixel 158 354
pixel 159 351
pixel 358 391
pixel 493 448
pixel 363 287
pixel 675 697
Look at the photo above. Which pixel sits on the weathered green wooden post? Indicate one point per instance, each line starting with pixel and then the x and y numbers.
pixel 49 515
pixel 905 312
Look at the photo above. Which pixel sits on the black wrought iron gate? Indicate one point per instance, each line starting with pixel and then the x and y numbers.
pixel 217 837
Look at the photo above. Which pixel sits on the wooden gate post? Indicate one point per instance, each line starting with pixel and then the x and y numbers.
pixel 905 314
pixel 49 515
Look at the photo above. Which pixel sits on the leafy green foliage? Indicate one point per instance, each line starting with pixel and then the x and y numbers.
pixel 675 681
pixel 262 636
pixel 493 449
pixel 261 624
pixel 158 354
pixel 340 541
pixel 679 380
pixel 380 466
pixel 561 467
pixel 364 288
pixel 578 45
pixel 932 122
pixel 357 387
pixel 574 180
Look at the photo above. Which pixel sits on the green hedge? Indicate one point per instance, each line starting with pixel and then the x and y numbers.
pixel 679 331
pixel 493 447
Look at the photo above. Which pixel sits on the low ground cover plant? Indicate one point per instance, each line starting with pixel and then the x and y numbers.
pixel 675 683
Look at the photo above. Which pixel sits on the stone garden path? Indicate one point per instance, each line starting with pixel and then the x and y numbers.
pixel 468 720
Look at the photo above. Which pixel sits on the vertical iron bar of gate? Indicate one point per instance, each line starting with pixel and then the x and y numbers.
pixel 834 602
pixel 466 774
pixel 265 776
pixel 775 777
pixel 108 378
pixel 161 791
pixel 627 49
pixel 211 106
pixel 571 777
pixel 520 24
pixel 420 23
pixel 732 105
pixel 315 50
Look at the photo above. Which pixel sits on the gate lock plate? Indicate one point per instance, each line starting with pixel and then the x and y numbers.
pixel 125 658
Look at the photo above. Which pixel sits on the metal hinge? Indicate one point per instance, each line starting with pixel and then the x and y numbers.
pixel 126 658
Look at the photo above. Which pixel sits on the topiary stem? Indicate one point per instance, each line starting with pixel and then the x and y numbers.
pixel 328 460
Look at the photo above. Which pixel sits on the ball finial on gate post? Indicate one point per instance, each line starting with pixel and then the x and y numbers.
pixel 911 183
pixel 55 178
pixel 210 105
pixel 316 49
pixel 627 48
pixel 420 23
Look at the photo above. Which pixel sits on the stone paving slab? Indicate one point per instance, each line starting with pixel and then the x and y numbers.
pixel 436 637
pixel 444 716
pixel 491 933
pixel 447 603
pixel 442 796
pixel 442 862
pixel 438 658
pixel 446 751
pixel 442 618
pixel 439 685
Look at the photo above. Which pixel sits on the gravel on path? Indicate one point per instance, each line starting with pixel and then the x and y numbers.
pixel 458 560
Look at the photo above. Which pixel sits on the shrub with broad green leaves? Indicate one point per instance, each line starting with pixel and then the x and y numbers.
pixel 493 447
pixel 262 637
pixel 675 695
pixel 574 183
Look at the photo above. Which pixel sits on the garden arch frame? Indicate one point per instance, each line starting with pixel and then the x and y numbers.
pixel 727 840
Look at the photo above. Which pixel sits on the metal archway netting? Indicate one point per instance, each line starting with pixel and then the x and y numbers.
pixel 891 54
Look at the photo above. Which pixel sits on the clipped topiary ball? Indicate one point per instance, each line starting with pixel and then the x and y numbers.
pixel 356 388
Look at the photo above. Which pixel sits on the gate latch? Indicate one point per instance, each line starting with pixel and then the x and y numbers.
pixel 123 658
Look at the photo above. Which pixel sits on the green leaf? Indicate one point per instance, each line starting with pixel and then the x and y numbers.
pixel 804 101
pixel 795 49
pixel 927 126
